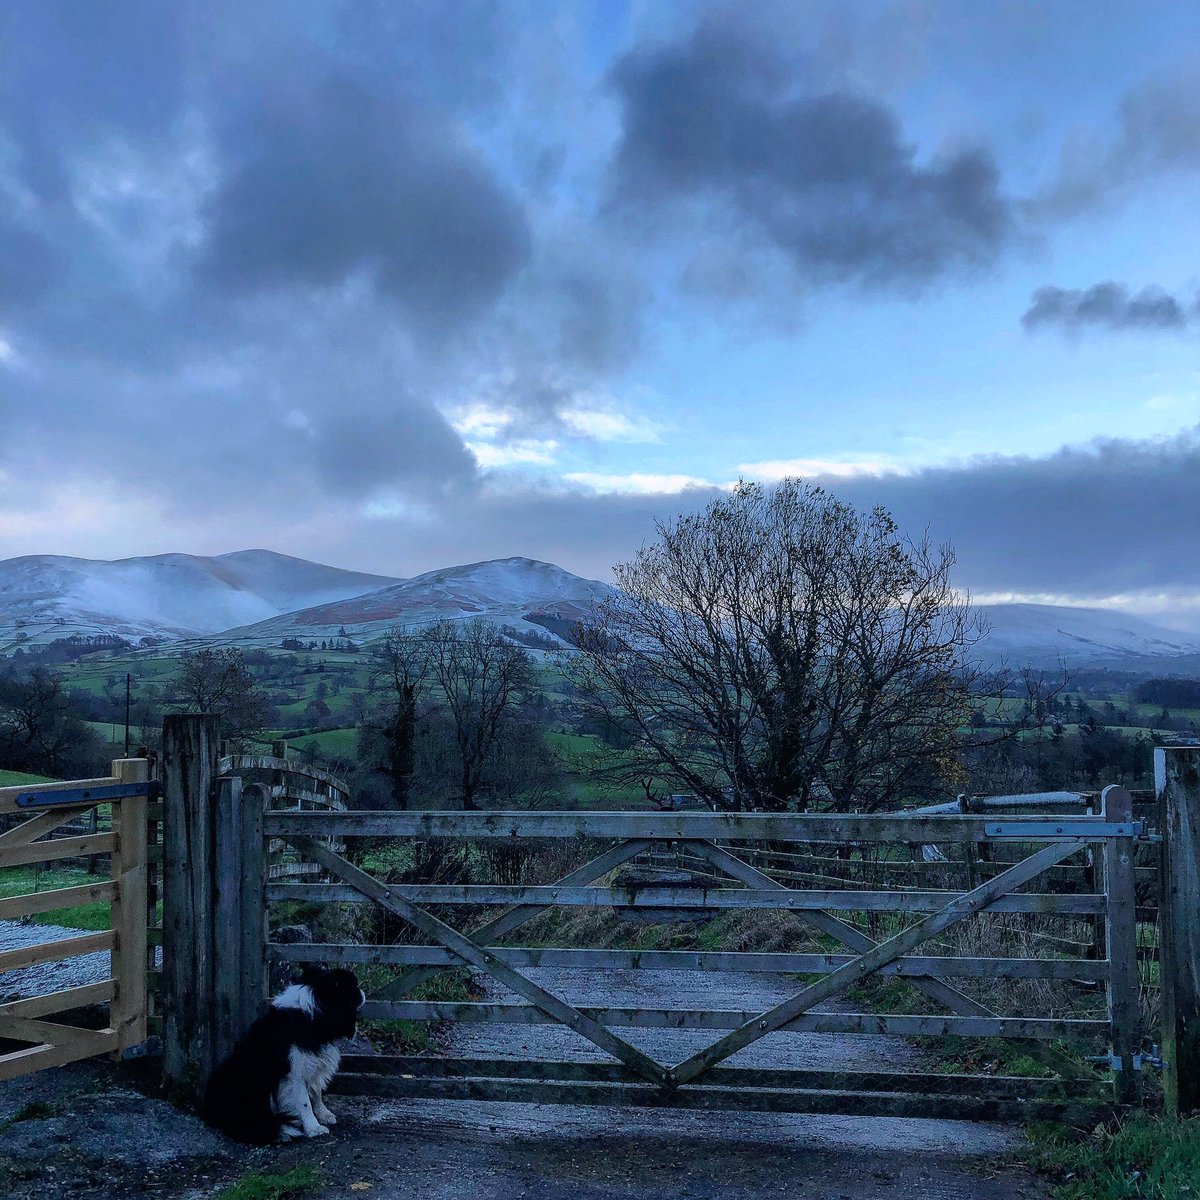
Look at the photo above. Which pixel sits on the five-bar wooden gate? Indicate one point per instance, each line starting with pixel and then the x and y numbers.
pixel 705 1078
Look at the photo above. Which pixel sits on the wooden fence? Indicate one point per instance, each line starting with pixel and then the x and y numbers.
pixel 28 1040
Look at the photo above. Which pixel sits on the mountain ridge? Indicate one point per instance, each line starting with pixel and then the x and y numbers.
pixel 258 597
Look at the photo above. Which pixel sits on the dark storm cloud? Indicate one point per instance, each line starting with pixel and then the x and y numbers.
pixel 1157 132
pixel 1110 517
pixel 410 451
pixel 1106 306
pixel 827 178
pixel 324 181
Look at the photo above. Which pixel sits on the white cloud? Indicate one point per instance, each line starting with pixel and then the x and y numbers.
pixel 481 421
pixel 526 450
pixel 608 426
pixel 637 484
pixel 771 470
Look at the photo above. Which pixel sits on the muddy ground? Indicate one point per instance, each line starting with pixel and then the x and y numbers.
pixel 103 1132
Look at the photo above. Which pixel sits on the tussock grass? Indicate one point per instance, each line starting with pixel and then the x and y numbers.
pixel 300 1181
pixel 1144 1158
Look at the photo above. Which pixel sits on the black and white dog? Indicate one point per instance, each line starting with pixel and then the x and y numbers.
pixel 270 1087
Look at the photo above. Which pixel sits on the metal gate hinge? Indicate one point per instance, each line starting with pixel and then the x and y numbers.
pixel 1140 1061
pixel 1087 829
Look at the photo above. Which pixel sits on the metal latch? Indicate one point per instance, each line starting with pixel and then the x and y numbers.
pixel 1088 830
pixel 1153 1060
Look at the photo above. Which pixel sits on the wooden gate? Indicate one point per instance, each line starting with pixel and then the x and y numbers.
pixel 29 1041
pixel 444 918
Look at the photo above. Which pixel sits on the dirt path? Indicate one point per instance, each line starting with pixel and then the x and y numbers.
pixel 101 1140
pixel 444 1150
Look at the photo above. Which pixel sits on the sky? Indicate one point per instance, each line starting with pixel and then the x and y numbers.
pixel 394 286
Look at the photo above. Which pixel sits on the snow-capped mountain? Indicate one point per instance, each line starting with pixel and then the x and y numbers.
pixel 530 596
pixel 1044 634
pixel 44 597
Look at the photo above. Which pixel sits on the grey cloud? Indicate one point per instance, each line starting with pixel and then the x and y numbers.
pixel 410 450
pixel 827 178
pixel 1112 517
pixel 331 179
pixel 1157 131
pixel 1106 305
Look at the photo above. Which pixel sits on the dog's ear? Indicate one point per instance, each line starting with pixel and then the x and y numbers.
pixel 309 975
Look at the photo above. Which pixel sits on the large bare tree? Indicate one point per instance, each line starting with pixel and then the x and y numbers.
pixel 399 667
pixel 482 678
pixel 782 651
pixel 219 681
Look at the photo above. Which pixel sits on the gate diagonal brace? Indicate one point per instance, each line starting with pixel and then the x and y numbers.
pixel 514 918
pixel 959 909
pixel 477 956
pixel 853 939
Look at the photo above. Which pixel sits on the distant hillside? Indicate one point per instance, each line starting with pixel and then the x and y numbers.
pixel 531 596
pixel 1045 634
pixel 44 597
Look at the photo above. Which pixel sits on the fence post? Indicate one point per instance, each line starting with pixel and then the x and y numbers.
pixel 129 1010
pixel 1177 782
pixel 190 748
pixel 1121 938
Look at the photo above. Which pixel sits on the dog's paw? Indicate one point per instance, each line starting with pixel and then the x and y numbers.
pixel 326 1118
pixel 289 1133
pixel 317 1130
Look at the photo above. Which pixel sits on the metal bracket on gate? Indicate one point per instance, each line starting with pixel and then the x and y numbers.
pixel 1140 1061
pixel 77 796
pixel 1031 831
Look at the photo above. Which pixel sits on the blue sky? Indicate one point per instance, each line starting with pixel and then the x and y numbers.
pixel 394 286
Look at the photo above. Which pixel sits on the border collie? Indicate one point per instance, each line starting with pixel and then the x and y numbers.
pixel 269 1088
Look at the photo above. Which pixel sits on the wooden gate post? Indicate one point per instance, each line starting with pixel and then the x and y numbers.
pixel 1177 782
pixel 190 748
pixel 129 1009
pixel 1121 938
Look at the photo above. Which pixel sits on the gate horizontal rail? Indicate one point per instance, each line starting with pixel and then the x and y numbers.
pixel 685 899
pixel 698 826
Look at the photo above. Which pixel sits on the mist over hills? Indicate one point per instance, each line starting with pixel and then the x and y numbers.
pixel 260 598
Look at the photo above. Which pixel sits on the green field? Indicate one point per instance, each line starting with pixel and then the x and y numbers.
pixel 17 778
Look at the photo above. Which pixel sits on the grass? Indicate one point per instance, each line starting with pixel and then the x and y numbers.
pixel 1144 1158
pixel 34 1111
pixel 299 1181
pixel 20 778
pixel 17 881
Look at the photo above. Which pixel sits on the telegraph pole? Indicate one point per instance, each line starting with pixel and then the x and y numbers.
pixel 127 684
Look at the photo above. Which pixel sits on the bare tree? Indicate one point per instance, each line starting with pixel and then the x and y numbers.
pixel 781 650
pixel 482 678
pixel 399 667
pixel 219 681
pixel 40 730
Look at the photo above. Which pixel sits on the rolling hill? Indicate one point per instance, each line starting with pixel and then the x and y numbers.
pixel 44 597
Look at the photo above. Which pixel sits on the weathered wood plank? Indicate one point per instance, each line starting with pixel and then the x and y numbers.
pixel 43 952
pixel 60 1001
pixel 30 903
pixel 902 1024
pixel 127 1014
pixel 190 743
pixel 35 827
pixel 1120 933
pixel 787 899
pixel 692 960
pixel 37 1058
pixel 56 848
pixel 863 1104
pixel 997 1086
pixel 1177 774
pixel 957 910
pixel 791 827
pixel 232 763
pixel 470 952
